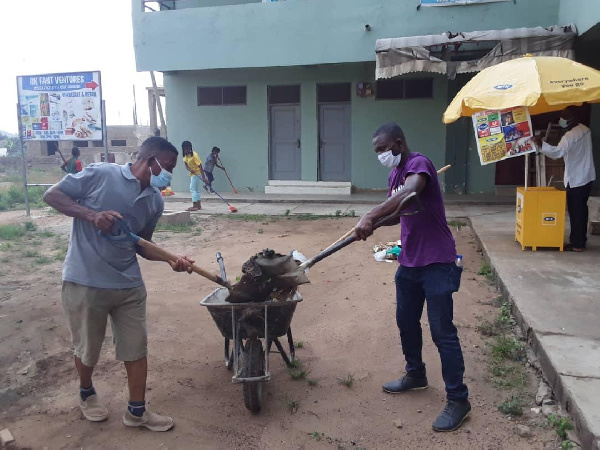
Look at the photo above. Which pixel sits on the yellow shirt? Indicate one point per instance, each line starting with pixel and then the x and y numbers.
pixel 193 162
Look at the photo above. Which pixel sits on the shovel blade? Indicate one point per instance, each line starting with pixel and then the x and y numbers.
pixel 290 279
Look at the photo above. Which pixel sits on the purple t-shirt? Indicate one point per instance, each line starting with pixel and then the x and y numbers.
pixel 426 238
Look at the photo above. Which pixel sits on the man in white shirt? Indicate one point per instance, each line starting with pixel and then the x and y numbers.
pixel 576 149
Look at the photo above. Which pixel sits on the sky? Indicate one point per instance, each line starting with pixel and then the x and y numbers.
pixel 54 36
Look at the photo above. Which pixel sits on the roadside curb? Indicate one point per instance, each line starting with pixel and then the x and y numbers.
pixel 333 201
pixel 552 376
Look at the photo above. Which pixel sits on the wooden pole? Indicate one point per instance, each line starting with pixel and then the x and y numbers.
pixel 163 126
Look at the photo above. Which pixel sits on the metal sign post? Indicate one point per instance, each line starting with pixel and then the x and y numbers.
pixel 23 163
pixel 104 131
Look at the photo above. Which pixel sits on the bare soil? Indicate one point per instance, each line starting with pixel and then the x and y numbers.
pixel 346 324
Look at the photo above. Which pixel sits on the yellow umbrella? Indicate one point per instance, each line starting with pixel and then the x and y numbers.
pixel 543 83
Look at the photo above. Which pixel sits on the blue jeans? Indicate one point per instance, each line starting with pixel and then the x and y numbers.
pixel 436 283
pixel 195 188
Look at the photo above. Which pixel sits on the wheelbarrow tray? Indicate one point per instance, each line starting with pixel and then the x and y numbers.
pixel 251 316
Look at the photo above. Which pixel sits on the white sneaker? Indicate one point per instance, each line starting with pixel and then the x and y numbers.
pixel 150 420
pixel 92 409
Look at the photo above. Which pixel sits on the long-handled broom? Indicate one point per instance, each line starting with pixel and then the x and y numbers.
pixel 232 208
pixel 235 191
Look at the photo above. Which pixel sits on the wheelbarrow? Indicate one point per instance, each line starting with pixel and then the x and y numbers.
pixel 247 325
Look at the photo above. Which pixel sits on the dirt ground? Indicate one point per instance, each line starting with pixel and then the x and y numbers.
pixel 346 323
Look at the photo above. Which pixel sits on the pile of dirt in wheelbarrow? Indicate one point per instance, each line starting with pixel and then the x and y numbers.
pixel 259 281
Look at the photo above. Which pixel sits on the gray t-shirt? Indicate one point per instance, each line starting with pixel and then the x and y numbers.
pixel 209 163
pixel 92 260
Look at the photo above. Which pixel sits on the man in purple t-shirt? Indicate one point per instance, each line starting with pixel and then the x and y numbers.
pixel 427 270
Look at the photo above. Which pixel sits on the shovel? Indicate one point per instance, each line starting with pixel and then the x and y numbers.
pixel 124 233
pixel 298 277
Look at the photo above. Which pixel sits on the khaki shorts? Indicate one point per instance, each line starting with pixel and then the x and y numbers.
pixel 87 310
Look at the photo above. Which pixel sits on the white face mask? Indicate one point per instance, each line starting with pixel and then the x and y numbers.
pixel 563 123
pixel 388 159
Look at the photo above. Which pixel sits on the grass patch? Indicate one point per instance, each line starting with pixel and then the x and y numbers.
pixel 9 232
pixel 507 347
pixel 61 254
pixel 505 318
pixel 348 381
pixel 296 363
pixel 292 405
pixel 312 382
pixel 512 406
pixel 14 197
pixel 316 435
pixel 46 234
pixel 299 344
pixel 486 271
pixel 261 231
pixel 560 424
pixel 457 224
pixel 507 376
pixel 177 228
pixel 6 246
pixel 31 253
pixel 297 374
pixel 41 260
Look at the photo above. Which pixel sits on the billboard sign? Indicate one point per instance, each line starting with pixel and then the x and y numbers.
pixel 503 134
pixel 60 107
pixel 457 2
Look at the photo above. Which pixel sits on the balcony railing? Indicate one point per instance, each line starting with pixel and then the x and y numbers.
pixel 169 5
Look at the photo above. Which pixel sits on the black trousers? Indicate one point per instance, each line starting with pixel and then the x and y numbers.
pixel 577 199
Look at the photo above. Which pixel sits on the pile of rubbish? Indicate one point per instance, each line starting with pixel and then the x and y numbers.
pixel 388 251
pixel 259 281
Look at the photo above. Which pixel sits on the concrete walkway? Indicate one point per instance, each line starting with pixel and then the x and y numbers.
pixel 556 295
pixel 556 300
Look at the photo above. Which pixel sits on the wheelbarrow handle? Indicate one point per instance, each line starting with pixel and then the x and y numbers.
pixel 391 219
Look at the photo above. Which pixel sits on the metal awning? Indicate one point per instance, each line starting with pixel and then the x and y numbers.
pixel 451 53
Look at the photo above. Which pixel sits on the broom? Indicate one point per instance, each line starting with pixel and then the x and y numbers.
pixel 232 208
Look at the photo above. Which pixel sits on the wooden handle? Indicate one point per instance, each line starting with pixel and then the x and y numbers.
pixel 349 232
pixel 167 255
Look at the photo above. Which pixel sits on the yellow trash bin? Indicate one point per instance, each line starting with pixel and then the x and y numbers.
pixel 540 220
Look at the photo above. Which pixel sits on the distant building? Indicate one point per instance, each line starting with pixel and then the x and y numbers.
pixel 288 90
pixel 123 143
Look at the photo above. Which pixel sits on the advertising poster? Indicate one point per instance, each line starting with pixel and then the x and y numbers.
pixel 60 107
pixel 457 2
pixel 503 134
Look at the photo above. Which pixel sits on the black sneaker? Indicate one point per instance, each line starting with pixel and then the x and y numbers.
pixel 453 415
pixel 406 383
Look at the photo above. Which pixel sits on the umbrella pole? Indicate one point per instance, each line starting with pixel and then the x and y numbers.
pixel 526 169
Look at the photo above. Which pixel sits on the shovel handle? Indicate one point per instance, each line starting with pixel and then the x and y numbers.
pixel 167 255
pixel 387 220
pixel 349 232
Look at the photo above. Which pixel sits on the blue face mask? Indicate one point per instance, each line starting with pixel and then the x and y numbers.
pixel 161 180
pixel 563 123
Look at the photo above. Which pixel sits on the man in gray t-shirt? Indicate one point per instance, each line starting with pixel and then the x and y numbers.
pixel 102 278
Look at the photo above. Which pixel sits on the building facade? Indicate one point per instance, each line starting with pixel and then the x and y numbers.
pixel 288 89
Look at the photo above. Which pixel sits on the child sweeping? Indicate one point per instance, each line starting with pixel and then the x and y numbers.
pixel 194 166
pixel 211 161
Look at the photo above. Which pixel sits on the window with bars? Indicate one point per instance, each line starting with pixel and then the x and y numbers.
pixel 221 95
pixel 405 88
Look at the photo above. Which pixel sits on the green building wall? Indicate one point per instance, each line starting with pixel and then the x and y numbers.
pixel 242 132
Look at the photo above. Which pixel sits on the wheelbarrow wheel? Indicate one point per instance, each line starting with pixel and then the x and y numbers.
pixel 254 359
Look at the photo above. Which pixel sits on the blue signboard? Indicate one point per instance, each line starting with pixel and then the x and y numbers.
pixel 457 2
